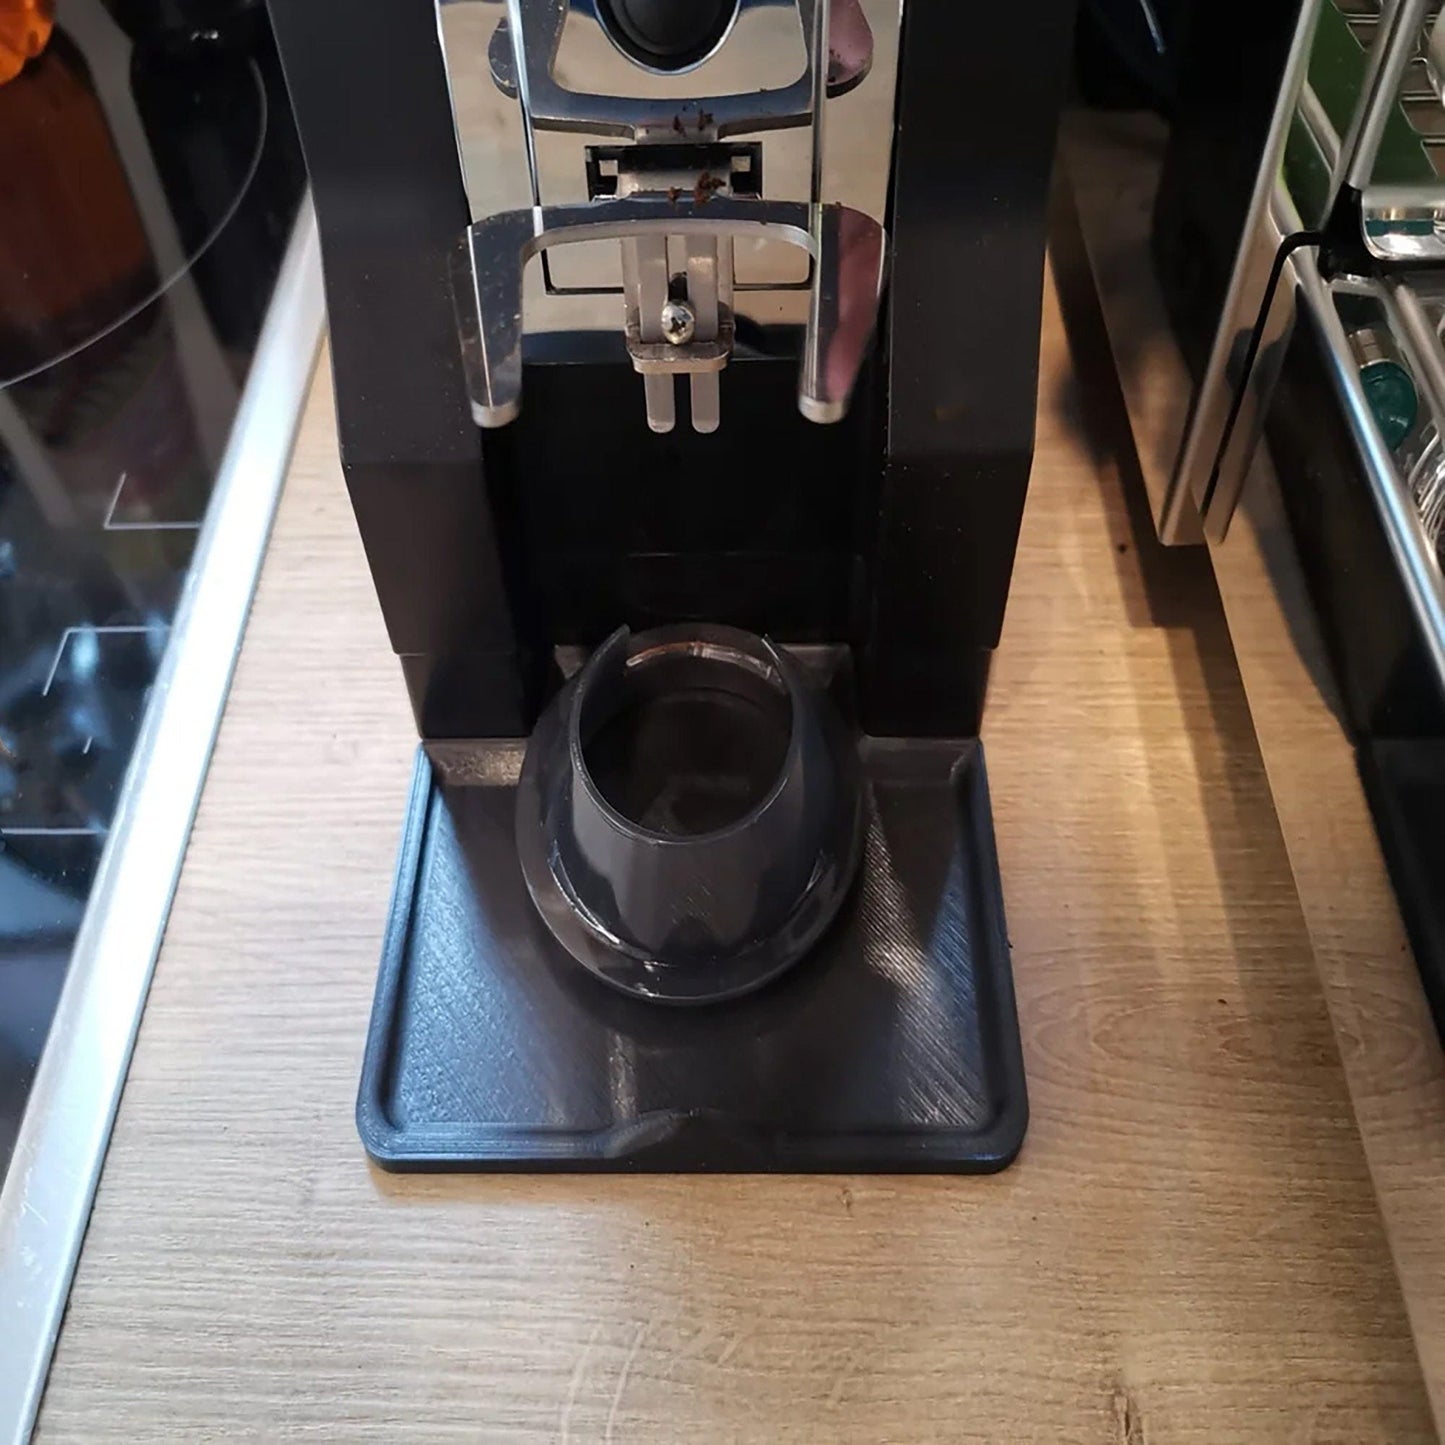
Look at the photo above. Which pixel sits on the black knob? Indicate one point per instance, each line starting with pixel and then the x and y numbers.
pixel 666 34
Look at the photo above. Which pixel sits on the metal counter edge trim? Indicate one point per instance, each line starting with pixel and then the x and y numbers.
pixel 46 1197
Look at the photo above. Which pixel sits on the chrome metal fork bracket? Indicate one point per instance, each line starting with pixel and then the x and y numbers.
pixel 848 250
pixel 552 106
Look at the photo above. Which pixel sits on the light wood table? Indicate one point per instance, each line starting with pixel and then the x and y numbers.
pixel 1391 1053
pixel 1189 1248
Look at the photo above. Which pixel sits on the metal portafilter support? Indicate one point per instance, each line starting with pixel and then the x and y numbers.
pixel 689 816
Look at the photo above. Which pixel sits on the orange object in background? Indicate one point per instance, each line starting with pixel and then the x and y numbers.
pixel 25 27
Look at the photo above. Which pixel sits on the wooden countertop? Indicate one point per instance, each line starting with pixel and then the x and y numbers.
pixel 1188 1249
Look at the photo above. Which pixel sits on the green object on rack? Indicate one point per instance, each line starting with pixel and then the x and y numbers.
pixel 1306 172
pixel 1337 75
pixel 1390 390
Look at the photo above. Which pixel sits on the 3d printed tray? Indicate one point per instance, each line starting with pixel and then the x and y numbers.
pixel 893 1047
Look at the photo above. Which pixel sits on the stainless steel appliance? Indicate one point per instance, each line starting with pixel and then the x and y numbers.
pixel 159 311
pixel 1298 337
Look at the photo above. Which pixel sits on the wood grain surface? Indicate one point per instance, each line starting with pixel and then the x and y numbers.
pixel 1388 1043
pixel 1387 1040
pixel 1189 1248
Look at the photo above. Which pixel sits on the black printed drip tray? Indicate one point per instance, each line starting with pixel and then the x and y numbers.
pixel 893 1046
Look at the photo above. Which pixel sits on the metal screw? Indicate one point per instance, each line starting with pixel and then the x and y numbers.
pixel 678 322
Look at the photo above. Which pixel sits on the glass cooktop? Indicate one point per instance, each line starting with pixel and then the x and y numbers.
pixel 149 182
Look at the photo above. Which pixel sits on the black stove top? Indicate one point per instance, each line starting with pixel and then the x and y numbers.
pixel 149 180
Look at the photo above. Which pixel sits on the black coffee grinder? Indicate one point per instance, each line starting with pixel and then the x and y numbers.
pixel 698 871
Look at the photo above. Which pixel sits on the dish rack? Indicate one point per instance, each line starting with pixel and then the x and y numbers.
pixel 1369 116
pixel 1425 463
pixel 1406 325
pixel 1403 467
pixel 1362 115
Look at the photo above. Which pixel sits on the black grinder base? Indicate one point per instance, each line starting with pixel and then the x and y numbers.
pixel 891 1046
